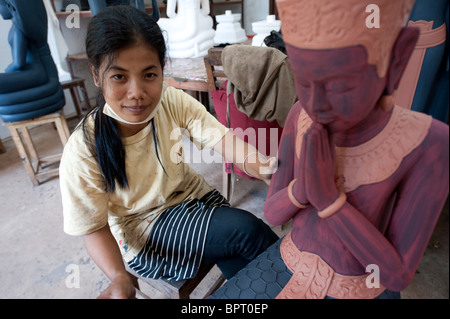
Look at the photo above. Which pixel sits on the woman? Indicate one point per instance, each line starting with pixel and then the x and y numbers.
pixel 123 180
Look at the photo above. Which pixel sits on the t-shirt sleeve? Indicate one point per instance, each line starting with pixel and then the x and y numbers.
pixel 85 203
pixel 204 130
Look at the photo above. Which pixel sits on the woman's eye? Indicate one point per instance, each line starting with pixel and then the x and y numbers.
pixel 149 75
pixel 118 76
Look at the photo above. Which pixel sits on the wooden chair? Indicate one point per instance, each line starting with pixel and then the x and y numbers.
pixel 244 126
pixel 74 85
pixel 217 80
pixel 38 167
pixel 2 147
pixel 177 289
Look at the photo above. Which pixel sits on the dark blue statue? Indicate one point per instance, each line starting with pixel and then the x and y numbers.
pixel 29 87
pixel 97 5
pixel 432 94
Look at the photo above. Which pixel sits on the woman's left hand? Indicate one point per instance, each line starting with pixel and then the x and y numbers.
pixel 266 170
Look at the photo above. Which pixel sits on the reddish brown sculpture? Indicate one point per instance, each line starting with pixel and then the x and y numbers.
pixel 363 181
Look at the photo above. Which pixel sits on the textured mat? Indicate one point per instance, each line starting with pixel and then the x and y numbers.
pixel 263 278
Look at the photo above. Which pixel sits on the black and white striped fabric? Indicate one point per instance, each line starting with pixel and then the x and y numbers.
pixel 175 246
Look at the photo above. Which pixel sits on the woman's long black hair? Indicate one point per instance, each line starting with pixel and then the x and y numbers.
pixel 112 29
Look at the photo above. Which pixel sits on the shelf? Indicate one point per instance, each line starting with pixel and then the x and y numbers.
pixel 218 3
pixel 88 14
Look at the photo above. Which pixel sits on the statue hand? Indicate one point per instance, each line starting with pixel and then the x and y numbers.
pixel 298 189
pixel 320 165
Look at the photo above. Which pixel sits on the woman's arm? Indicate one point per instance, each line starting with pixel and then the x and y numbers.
pixel 237 151
pixel 103 249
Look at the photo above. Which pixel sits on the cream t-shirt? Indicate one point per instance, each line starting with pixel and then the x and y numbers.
pixel 132 212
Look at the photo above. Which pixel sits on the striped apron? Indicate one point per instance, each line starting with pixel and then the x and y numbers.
pixel 174 248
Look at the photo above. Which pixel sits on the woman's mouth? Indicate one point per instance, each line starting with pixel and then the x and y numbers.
pixel 135 109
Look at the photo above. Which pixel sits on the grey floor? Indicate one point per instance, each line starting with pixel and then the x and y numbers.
pixel 37 260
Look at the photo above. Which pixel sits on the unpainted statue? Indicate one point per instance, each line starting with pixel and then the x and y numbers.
pixel 189 28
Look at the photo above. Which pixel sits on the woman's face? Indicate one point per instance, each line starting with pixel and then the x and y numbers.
pixel 337 88
pixel 133 83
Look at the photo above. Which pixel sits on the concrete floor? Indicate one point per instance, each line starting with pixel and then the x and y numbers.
pixel 38 260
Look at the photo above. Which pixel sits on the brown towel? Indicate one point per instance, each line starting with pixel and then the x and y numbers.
pixel 261 80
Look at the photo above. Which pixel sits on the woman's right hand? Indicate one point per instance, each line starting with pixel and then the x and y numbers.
pixel 120 288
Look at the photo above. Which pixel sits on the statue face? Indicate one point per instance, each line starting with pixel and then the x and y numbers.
pixel 337 87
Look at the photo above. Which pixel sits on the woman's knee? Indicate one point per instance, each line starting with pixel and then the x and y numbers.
pixel 241 229
pixel 238 221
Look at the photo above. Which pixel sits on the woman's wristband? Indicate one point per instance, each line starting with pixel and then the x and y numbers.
pixel 258 154
pixel 292 197
pixel 334 207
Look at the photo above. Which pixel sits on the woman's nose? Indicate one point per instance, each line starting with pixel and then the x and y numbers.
pixel 136 90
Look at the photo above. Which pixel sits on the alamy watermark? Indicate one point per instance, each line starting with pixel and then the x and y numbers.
pixel 73 279
pixel 265 140
pixel 373 19
pixel 73 19
pixel 373 279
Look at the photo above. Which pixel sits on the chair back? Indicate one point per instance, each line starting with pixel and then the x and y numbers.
pixel 214 69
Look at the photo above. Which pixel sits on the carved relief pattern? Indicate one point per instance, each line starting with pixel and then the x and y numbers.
pixel 324 24
pixel 313 278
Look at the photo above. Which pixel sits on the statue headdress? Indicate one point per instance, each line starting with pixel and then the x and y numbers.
pixel 331 24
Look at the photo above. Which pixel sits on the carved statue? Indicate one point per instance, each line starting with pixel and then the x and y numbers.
pixel 30 86
pixel 189 29
pixel 364 181
pixel 97 5
pixel 424 84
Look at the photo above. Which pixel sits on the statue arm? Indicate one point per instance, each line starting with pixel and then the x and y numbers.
pixel 170 10
pixel 420 198
pixel 140 5
pixel 96 6
pixel 19 47
pixel 278 208
pixel 205 7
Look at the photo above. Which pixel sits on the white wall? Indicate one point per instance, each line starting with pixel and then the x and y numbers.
pixel 254 10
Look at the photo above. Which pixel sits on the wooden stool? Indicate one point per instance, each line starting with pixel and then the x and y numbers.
pixel 2 148
pixel 178 289
pixel 73 86
pixel 38 167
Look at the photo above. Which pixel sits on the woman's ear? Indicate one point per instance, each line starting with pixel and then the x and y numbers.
pixel 401 52
pixel 94 75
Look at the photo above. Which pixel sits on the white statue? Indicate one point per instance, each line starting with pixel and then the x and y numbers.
pixel 229 29
pixel 263 29
pixel 190 30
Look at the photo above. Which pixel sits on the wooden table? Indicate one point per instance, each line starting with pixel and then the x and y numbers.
pixel 188 74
